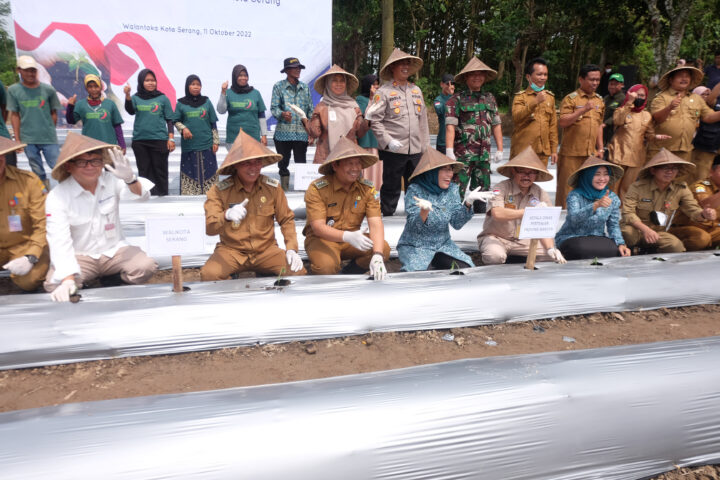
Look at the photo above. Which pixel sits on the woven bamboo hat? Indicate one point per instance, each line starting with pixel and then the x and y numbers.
pixel 352 81
pixel 74 146
pixel 526 159
pixel 416 63
pixel 666 157
pixel 7 145
pixel 615 171
pixel 697 77
pixel 476 65
pixel 246 148
pixel 433 159
pixel 345 148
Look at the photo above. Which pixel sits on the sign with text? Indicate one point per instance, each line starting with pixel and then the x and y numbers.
pixel 539 222
pixel 305 173
pixel 175 235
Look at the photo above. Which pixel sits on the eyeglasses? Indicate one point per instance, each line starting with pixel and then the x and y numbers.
pixel 95 162
pixel 669 168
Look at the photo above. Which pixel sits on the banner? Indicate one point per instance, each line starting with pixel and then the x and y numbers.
pixel 116 40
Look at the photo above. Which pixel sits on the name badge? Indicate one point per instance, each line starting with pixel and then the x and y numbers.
pixel 332 117
pixel 110 230
pixel 15 223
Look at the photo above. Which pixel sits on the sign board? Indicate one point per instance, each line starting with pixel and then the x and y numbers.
pixel 305 173
pixel 539 222
pixel 167 236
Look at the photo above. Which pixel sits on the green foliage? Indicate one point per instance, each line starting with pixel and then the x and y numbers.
pixel 8 61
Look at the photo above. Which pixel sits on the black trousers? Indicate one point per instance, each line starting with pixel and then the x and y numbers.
pixel 396 166
pixel 11 159
pixel 298 150
pixel 441 148
pixel 579 248
pixel 152 162
pixel 443 261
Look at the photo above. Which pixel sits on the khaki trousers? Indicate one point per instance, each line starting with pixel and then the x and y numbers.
pixel 326 256
pixel 667 243
pixel 495 250
pixel 566 165
pixel 34 278
pixel 225 261
pixel 697 238
pixel 703 162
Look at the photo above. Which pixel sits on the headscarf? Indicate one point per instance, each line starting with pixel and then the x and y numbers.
pixel 93 78
pixel 700 90
pixel 635 88
pixel 194 101
pixel 366 84
pixel 585 186
pixel 141 91
pixel 345 114
pixel 429 181
pixel 235 87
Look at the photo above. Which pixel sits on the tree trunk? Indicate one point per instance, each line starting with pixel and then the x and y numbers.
pixel 665 50
pixel 388 31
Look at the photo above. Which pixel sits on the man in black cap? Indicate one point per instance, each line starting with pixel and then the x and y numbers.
pixel 447 84
pixel 290 135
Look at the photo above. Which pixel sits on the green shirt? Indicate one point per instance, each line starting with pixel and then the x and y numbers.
pixel 151 117
pixel 243 110
pixel 98 122
pixel 368 140
pixel 35 106
pixel 199 121
pixel 3 101
pixel 439 104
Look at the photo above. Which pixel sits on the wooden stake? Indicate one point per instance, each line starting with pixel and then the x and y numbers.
pixel 532 253
pixel 177 274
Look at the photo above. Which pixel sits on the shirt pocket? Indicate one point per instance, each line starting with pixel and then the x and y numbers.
pixel 265 217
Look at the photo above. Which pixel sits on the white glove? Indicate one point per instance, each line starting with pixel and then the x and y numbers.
pixel 237 213
pixel 450 153
pixel 64 290
pixel 121 168
pixel 497 157
pixel 20 266
pixel 395 146
pixel 299 111
pixel 377 267
pixel 476 194
pixel 423 204
pixel 556 255
pixel 542 205
pixel 358 240
pixel 294 260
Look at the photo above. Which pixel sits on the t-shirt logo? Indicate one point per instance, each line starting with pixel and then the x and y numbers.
pixel 33 103
pixel 151 107
pixel 198 113
pixel 100 115
pixel 243 104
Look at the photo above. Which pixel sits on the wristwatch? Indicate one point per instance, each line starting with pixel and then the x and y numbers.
pixel 133 181
pixel 32 259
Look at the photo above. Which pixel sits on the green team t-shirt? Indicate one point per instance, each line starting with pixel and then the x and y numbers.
pixel 199 121
pixel 98 122
pixel 151 117
pixel 35 106
pixel 243 109
pixel 3 101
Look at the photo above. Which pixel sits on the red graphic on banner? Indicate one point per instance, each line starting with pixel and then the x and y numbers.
pixel 120 66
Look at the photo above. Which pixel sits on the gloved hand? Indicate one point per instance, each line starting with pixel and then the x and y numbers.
pixel 476 194
pixel 497 156
pixel 423 204
pixel 358 240
pixel 450 153
pixel 377 267
pixel 299 111
pixel 294 260
pixel 395 146
pixel 237 213
pixel 19 266
pixel 64 290
pixel 121 168
pixel 556 255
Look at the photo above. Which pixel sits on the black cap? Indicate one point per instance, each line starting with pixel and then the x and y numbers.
pixel 291 62
pixel 447 78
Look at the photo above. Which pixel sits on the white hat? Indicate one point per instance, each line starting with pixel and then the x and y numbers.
pixel 26 61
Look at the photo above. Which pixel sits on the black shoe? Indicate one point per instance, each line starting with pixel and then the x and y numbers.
pixel 111 280
pixel 352 268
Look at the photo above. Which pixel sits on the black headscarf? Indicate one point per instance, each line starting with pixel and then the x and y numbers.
pixel 235 74
pixel 141 91
pixel 194 101
pixel 366 83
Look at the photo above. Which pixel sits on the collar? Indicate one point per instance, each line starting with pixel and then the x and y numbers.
pixel 670 187
pixel 582 93
pixel 241 188
pixel 10 172
pixel 671 91
pixel 300 85
pixel 338 186
pixel 76 189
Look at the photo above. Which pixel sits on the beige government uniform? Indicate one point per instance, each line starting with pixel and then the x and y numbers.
pixel 499 238
pixel 22 198
pixel 535 125
pixel 579 139
pixel 703 234
pixel 643 198
pixel 627 147
pixel 250 245
pixel 327 200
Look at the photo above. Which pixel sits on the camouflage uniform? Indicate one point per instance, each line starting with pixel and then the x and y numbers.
pixel 473 114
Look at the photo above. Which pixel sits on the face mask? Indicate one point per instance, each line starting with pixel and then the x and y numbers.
pixel 536 88
pixel 639 102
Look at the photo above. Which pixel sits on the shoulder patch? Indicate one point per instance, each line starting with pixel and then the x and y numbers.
pixel 573 95
pixel 520 92
pixel 549 93
pixel 320 183
pixel 225 184
pixel 272 182
pixel 598 95
pixel 367 182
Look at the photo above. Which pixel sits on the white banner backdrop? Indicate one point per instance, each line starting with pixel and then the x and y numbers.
pixel 71 38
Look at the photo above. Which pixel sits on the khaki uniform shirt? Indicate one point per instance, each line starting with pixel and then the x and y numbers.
pixel 256 232
pixel 632 130
pixel 535 125
pixel 398 112
pixel 644 197
pixel 507 194
pixel 580 138
pixel 22 211
pixel 701 190
pixel 681 123
pixel 341 209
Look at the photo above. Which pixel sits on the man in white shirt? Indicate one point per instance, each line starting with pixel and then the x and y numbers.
pixel 83 224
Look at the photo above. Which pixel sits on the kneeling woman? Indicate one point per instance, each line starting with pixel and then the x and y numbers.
pixel 432 203
pixel 592 226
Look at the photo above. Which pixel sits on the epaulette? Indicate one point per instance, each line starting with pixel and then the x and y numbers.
pixel 521 91
pixel 367 182
pixel 272 182
pixel 225 184
pixel 598 96
pixel 573 95
pixel 320 183
pixel 549 92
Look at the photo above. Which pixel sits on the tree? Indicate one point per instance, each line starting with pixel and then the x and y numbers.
pixel 388 31
pixel 667 30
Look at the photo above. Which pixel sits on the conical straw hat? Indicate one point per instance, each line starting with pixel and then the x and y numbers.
pixel 526 159
pixel 476 65
pixel 246 148
pixel 615 171
pixel 75 145
pixel 666 157
pixel 345 148
pixel 416 63
pixel 7 145
pixel 433 159
pixel 697 77
pixel 352 81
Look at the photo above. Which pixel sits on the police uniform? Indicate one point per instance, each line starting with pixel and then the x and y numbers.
pixel 22 224
pixel 579 139
pixel 535 125
pixel 699 235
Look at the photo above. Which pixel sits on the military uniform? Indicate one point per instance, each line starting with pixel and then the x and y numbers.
pixel 473 114
pixel 534 124
pixel 698 235
pixel 579 139
pixel 251 244
pixel 611 104
pixel 22 224
pixel 344 210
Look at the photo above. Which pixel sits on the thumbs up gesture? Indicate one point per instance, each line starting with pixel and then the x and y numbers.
pixel 604 201
pixel 237 213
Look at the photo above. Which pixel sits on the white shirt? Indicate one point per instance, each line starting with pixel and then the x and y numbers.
pixel 82 223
